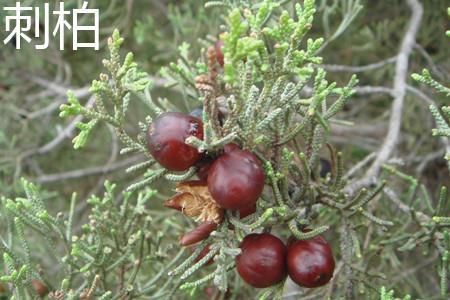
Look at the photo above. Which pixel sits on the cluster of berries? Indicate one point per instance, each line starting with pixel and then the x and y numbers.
pixel 265 261
pixel 233 180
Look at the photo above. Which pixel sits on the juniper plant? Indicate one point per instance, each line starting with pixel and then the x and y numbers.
pixel 262 92
pixel 272 97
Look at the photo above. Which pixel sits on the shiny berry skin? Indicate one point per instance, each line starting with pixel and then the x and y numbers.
pixel 219 53
pixel 262 262
pixel 166 140
pixel 204 165
pixel 247 211
pixel 230 147
pixel 236 179
pixel 310 262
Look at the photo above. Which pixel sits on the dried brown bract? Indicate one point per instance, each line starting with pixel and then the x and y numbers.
pixel 194 200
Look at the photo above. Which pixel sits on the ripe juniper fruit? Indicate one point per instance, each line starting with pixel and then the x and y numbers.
pixel 166 140
pixel 310 263
pixel 262 262
pixel 204 165
pixel 247 211
pixel 236 178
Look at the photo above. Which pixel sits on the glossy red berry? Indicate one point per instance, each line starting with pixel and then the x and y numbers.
pixel 262 262
pixel 310 262
pixel 230 147
pixel 166 140
pixel 236 179
pixel 247 211
pixel 291 240
pixel 219 53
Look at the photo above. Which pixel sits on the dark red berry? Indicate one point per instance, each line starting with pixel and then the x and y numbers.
pixel 198 234
pixel 291 240
pixel 166 140
pixel 236 179
pixel 205 164
pixel 262 262
pixel 40 288
pixel 310 263
pixel 219 53
pixel 247 211
pixel 228 148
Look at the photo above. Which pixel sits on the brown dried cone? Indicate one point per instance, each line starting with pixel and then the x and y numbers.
pixel 194 200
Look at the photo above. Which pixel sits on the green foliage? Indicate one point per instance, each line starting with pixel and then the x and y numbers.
pixel 426 78
pixel 262 104
pixel 442 117
pixel 112 253
pixel 127 79
pixel 389 295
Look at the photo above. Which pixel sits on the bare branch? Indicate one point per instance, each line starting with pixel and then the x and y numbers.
pixel 364 90
pixel 101 170
pixel 359 69
pixel 57 88
pixel 444 140
pixel 399 91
